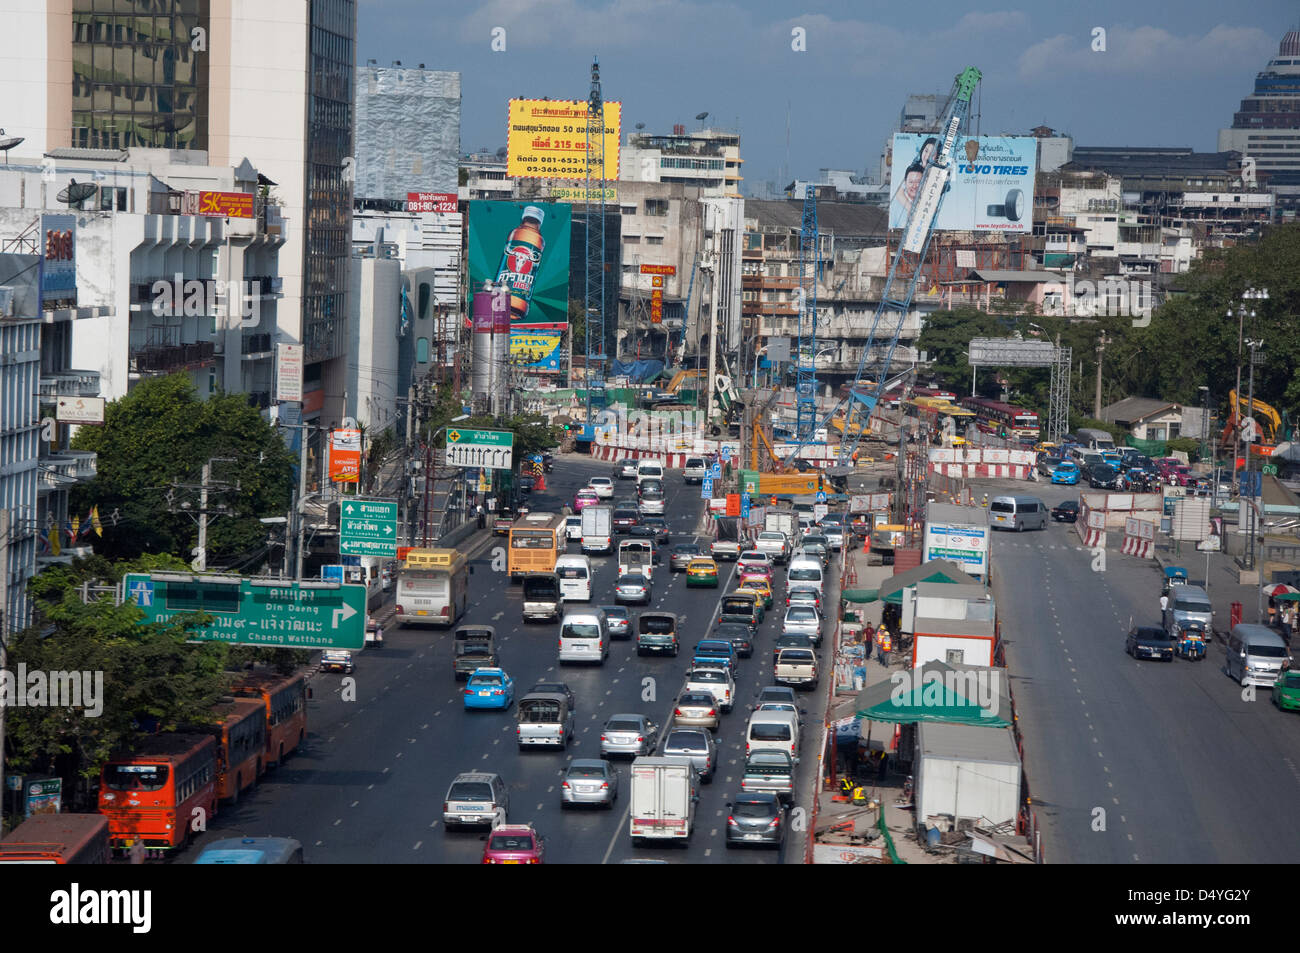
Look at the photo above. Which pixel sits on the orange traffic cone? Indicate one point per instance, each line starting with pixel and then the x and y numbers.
pixel 540 483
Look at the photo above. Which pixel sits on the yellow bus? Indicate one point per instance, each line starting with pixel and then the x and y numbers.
pixel 432 587
pixel 535 542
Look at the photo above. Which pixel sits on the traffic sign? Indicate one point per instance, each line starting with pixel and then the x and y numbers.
pixel 725 453
pixel 265 612
pixel 715 471
pixel 821 496
pixel 820 510
pixel 706 488
pixel 333 571
pixel 485 438
pixel 368 528
pixel 492 449
pixel 744 505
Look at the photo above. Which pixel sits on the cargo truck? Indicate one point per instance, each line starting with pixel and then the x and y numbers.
pixel 665 791
pixel 597 529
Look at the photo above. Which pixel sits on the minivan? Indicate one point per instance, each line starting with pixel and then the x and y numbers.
pixel 806 572
pixel 778 730
pixel 574 572
pixel 1018 513
pixel 649 470
pixel 1256 655
pixel 584 637
pixel 1188 604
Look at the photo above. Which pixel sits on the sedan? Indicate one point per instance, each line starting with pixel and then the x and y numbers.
pixel 757 818
pixel 1104 477
pixel 584 499
pixel 1286 691
pixel 589 781
pixel 489 688
pixel 659 525
pixel 803 596
pixel 802 620
pixel 834 533
pixel 618 621
pixel 754 561
pixel 696 744
pixel 625 517
pixel 1047 464
pixel 633 735
pixel 682 555
pixel 633 587
pixel 702 572
pixel 626 470
pixel 739 635
pixel 1067 512
pixel 1148 641
pixel 603 486
pixel 514 844
pixel 1066 472
pixel 757 582
pixel 696 710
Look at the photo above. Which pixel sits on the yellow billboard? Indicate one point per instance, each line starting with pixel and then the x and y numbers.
pixel 547 138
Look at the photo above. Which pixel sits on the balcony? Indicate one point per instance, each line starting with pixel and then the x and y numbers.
pixel 66 467
pixel 164 359
pixel 69 384
pixel 254 346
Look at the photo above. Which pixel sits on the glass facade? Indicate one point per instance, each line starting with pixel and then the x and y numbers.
pixel 136 78
pixel 329 191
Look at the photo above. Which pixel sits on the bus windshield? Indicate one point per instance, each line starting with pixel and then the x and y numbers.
pixel 136 777
pixel 532 539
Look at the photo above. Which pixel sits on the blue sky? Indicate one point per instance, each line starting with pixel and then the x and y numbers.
pixel 1171 74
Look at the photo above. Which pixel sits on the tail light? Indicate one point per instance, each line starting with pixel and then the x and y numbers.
pixel 518 730
pixel 487 859
pixel 776 822
pixel 604 785
pixel 399 609
pixel 677 712
pixel 746 747
pixel 731 821
pixel 560 643
pixel 602 737
pixel 792 747
pixel 446 611
pixel 640 739
pixel 534 860
pixel 466 691
pixel 565 785
pixel 446 808
pixel 712 712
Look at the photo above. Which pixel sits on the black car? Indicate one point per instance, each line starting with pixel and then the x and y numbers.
pixel 791 640
pixel 625 519
pixel 757 818
pixel 1067 512
pixel 553 688
pixel 1103 477
pixel 740 635
pixel 660 527
pixel 1149 641
pixel 526 483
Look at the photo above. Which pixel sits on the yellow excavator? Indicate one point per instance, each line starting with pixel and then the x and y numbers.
pixel 1267 420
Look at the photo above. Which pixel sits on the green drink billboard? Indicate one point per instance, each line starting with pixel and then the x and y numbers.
pixel 525 246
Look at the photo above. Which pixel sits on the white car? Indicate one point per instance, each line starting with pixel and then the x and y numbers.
pixel 714 679
pixel 603 486
pixel 573 528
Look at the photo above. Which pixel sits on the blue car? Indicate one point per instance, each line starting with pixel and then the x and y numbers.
pixel 1066 472
pixel 489 688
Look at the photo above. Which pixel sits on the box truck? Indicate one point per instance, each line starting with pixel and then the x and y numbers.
pixel 665 791
pixel 597 529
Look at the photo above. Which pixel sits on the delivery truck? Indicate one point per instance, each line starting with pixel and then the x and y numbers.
pixel 665 791
pixel 597 529
pixel 782 521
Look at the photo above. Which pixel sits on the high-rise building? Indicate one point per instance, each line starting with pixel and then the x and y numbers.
pixel 1267 126
pixel 235 79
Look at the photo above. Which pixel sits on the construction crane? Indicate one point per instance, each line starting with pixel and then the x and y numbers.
pixel 805 385
pixel 896 299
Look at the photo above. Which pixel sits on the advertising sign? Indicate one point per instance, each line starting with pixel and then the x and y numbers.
pixel 547 138
pixel 566 193
pixel 288 372
pixel 226 204
pixel 345 456
pixel 990 183
pixel 431 202
pixel 58 258
pixel 967 545
pixel 524 245
pixel 79 410
pixel 536 347
pixel 42 796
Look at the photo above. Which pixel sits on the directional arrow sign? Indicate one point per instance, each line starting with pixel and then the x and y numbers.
pixel 485 438
pixel 267 613
pixel 480 455
pixel 368 528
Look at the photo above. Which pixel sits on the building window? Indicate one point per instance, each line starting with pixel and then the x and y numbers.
pixel 654 239
pixel 422 351
pixel 656 206
pixel 628 209
pixel 632 239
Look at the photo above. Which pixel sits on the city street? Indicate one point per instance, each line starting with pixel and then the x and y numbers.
pixel 369 784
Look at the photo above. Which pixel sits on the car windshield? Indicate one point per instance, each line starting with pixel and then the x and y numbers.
pixel 1291 680
pixel 470 791
pixel 511 842
pixel 1185 604
pixel 136 777
pixel 1268 651
pixel 753 809
pixel 623 724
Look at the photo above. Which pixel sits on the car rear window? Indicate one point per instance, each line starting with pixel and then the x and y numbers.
pixel 655 626
pixel 511 842
pixel 769 731
pixel 801 614
pixel 806 574
pixel 752 809
pixel 485 680
pixel 997 507
pixel 686 741
pixel 539 711
pixel 707 675
pixel 623 724
pixel 697 699
pixel 796 655
pixel 571 572
pixel 470 791
pixel 580 630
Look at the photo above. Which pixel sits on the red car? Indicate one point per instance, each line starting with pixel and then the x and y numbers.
pixel 1182 475
pixel 514 844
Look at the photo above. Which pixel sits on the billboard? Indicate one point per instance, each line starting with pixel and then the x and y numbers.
pixel 525 246
pixel 547 138
pixel 965 544
pixel 990 185
pixel 225 204
pixel 58 267
pixel 536 347
pixel 345 456
pixel 431 202
pixel 288 377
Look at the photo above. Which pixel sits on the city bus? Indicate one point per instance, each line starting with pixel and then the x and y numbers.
pixel 58 839
pixel 934 411
pixel 1002 420
pixel 252 850
pixel 240 732
pixel 432 587
pixel 535 542
pixel 153 795
pixel 284 700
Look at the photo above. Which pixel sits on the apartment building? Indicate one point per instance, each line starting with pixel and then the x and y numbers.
pixel 708 159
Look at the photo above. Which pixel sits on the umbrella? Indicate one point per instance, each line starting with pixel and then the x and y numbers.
pixel 1288 597
pixel 1273 590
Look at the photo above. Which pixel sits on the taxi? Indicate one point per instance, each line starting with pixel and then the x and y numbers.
pixel 759 583
pixel 702 572
pixel 1045 446
pixel 489 688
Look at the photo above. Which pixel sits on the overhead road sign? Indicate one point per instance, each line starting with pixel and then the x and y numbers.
pixel 368 528
pixel 492 449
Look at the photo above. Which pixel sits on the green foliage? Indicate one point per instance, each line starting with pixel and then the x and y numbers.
pixel 1187 445
pixel 161 434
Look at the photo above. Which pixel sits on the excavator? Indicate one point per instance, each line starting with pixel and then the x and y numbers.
pixel 1267 420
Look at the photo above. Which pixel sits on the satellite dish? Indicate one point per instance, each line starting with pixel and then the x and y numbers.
pixel 77 192
pixel 7 144
pixel 702 116
pixel 639 125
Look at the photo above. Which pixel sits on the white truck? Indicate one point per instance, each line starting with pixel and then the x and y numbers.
pixel 597 529
pixel 665 791
pixel 636 555
pixel 783 521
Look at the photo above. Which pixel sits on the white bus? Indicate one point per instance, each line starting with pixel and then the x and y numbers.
pixel 432 587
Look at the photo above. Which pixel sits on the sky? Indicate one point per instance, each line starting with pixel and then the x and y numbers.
pixel 1171 73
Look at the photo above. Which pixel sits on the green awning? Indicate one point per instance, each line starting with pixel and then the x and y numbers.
pixel 860 595
pixel 956 694
pixel 1287 597
pixel 936 570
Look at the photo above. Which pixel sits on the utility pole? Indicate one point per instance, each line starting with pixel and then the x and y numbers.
pixel 299 522
pixel 200 552
pixel 200 563
pixel 1101 350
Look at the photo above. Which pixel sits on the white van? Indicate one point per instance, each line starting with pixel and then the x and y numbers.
pixel 774 730
pixel 584 637
pixel 649 470
pixel 1256 655
pixel 575 577
pixel 1018 513
pixel 806 571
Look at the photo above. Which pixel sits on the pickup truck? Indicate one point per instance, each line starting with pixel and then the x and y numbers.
pixel 770 771
pixel 730 541
pixel 475 649
pixel 544 719
pixel 775 544
pixel 715 650
pixel 796 667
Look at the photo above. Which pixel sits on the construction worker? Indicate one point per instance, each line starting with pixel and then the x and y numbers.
pixel 885 645
pixel 985 504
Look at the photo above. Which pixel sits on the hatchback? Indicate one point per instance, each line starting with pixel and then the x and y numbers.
pixel 757 818
pixel 632 735
pixel 633 587
pixel 617 622
pixel 514 844
pixel 589 781
pixel 696 710
pixel 696 744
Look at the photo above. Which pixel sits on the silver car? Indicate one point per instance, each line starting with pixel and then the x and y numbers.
pixel 682 555
pixel 802 620
pixel 834 533
pixel 776 694
pixel 634 587
pixel 589 781
pixel 618 621
pixel 630 734
pixel 627 470
pixel 696 744
pixel 696 710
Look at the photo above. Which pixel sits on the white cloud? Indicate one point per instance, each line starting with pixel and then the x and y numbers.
pixel 1152 50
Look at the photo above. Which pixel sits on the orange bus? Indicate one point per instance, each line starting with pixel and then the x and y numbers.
pixel 239 728
pixel 284 699
pixel 57 839
pixel 152 795
pixel 535 541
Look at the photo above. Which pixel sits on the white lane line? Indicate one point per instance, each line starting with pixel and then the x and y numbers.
pixel 354 803
pixel 338 822
pixel 318 843
pixel 417 845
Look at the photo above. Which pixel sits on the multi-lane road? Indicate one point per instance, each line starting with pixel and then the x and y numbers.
pixel 1134 762
pixel 369 783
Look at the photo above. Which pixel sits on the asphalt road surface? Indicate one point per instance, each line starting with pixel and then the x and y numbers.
pixel 1133 761
pixel 368 785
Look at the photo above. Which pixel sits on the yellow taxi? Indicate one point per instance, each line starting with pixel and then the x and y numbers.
pixel 702 572
pixel 1043 446
pixel 752 582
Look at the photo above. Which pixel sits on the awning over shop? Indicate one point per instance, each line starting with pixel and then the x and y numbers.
pixel 936 570
pixel 957 694
pixel 860 595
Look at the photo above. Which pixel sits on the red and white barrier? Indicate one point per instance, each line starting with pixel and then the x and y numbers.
pixel 1091 538
pixel 1004 471
pixel 1136 546
pixel 673 461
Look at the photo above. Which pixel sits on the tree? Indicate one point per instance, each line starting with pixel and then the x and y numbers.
pixel 161 434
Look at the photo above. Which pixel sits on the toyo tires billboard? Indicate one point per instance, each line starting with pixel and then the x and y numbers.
pixel 990 186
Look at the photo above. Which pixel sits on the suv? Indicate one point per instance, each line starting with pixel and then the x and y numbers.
pixel 477 798
pixel 696 469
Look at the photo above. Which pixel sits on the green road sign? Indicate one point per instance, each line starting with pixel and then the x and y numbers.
pixel 368 528
pixel 269 613
pixel 482 438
